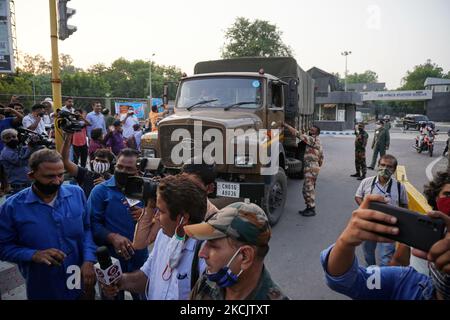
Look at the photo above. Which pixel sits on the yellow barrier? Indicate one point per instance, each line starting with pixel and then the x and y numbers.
pixel 416 200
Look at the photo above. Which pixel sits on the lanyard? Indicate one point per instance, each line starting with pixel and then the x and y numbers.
pixel 385 193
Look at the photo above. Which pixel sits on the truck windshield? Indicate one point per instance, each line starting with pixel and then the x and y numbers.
pixel 220 93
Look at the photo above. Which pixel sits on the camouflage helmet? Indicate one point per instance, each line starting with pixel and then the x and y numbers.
pixel 244 222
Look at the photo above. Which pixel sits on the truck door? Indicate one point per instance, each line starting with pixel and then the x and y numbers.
pixel 275 106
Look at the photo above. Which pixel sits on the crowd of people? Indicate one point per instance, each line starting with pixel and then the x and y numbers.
pixel 199 252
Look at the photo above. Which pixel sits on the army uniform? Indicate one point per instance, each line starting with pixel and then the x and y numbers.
pixel 360 152
pixel 380 143
pixel 313 161
pixel 243 222
pixel 266 289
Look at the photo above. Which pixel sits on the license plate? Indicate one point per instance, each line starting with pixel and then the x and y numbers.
pixel 226 189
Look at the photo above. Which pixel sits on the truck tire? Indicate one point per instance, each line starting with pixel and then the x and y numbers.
pixel 275 197
pixel 295 168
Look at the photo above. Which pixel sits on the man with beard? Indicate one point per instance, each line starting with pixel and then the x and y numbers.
pixel 114 216
pixel 45 229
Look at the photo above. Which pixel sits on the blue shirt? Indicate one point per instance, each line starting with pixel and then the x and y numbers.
pixel 109 214
pixel 178 286
pixel 395 283
pixel 27 224
pixel 96 121
pixel 15 162
pixel 6 123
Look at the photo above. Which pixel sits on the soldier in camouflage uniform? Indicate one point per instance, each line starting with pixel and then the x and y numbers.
pixel 237 240
pixel 313 162
pixel 360 152
pixel 380 144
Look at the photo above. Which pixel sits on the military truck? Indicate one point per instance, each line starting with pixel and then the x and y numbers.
pixel 249 94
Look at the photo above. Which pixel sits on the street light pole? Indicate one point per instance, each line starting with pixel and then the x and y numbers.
pixel 346 54
pixel 150 81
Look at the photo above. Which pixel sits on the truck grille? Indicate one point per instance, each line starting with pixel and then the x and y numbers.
pixel 167 145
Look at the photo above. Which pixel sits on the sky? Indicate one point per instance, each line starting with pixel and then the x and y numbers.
pixel 389 37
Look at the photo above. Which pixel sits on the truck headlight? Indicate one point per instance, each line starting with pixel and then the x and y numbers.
pixel 244 161
pixel 149 153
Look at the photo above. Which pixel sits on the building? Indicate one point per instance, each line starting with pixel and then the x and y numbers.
pixel 438 108
pixel 334 109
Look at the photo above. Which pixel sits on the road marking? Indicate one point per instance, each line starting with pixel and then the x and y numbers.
pixel 429 168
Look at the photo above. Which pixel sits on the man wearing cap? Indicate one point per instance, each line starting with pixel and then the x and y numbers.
pixel 380 144
pixel 237 240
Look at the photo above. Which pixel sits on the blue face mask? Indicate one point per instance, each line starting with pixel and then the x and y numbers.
pixel 225 277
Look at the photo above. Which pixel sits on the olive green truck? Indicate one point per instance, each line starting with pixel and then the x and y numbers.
pixel 230 112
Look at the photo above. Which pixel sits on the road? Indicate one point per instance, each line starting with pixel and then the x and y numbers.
pixel 294 256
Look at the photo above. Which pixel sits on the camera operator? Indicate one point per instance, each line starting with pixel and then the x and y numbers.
pixel 14 159
pixel 45 229
pixel 114 218
pixel 101 163
pixel 344 275
pixel 173 266
pixel 79 140
pixel 34 121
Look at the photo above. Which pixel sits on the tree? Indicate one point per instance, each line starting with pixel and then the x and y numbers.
pixel 34 64
pixel 414 80
pixel 254 39
pixel 367 76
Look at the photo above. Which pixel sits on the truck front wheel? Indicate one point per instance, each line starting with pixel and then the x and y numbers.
pixel 275 197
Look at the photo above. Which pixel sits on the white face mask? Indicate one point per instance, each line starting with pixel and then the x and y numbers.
pixel 100 167
pixel 175 247
pixel 378 126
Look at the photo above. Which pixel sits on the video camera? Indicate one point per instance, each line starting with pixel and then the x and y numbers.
pixel 70 122
pixel 144 188
pixel 33 139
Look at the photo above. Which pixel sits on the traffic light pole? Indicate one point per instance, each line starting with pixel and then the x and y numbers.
pixel 56 81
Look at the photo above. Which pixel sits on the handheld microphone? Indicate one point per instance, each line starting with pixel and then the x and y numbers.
pixel 107 269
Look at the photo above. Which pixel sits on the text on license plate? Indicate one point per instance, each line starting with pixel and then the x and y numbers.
pixel 226 189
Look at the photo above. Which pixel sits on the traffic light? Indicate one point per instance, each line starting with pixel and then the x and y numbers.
pixel 65 30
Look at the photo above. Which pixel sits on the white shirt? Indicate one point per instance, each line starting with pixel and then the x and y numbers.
pixel 365 188
pixel 128 130
pixel 178 286
pixel 29 120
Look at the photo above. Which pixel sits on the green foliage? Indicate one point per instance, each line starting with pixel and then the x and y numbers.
pixel 415 79
pixel 367 76
pixel 254 39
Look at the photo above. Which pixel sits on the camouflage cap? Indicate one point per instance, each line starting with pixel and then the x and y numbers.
pixel 243 222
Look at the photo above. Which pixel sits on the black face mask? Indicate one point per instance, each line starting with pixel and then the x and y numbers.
pixel 41 114
pixel 47 189
pixel 121 178
pixel 13 143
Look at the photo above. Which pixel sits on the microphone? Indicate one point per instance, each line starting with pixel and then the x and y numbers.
pixel 107 269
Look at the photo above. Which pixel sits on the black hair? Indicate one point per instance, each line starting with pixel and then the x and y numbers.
pixel 432 189
pixel 13 104
pixel 318 129
pixel 37 106
pixel 105 154
pixel 128 152
pixel 206 172
pixel 96 134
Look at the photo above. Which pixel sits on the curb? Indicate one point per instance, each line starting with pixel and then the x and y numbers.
pixel 337 133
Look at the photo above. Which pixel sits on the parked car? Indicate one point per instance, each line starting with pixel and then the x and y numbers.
pixel 414 121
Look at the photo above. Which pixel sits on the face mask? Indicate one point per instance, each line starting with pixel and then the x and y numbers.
pixel 121 178
pixel 13 144
pixel 175 246
pixel 441 281
pixel 41 114
pixel 385 173
pixel 100 167
pixel 225 277
pixel 443 205
pixel 378 126
pixel 47 189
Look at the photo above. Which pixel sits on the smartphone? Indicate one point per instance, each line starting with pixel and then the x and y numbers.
pixel 415 230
